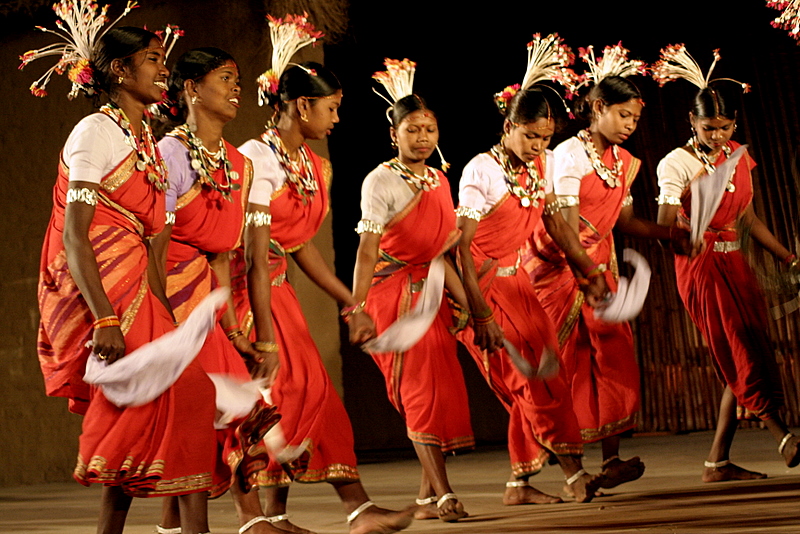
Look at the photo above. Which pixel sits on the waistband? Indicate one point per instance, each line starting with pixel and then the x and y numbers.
pixel 727 246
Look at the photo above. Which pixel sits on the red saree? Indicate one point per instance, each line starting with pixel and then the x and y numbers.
pixel 425 383
pixel 541 415
pixel 164 447
pixel 303 391
pixel 205 222
pixel 722 296
pixel 598 357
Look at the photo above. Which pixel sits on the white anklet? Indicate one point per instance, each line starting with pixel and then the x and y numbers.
pixel 517 484
pixel 162 530
pixel 357 512
pixel 278 518
pixel 784 441
pixel 446 497
pixel 427 500
pixel 716 465
pixel 256 519
pixel 574 478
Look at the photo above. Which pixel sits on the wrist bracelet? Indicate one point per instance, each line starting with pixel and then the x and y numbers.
pixel 483 314
pixel 789 259
pixel 105 322
pixel 265 346
pixel 233 334
pixel 483 321
pixel 595 271
pixel 352 310
pixel 231 328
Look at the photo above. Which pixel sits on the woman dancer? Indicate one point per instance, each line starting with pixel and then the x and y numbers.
pixel 287 204
pixel 718 287
pixel 502 196
pixel 99 286
pixel 206 204
pixel 593 176
pixel 407 220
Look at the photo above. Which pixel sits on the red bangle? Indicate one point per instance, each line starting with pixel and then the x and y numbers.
pixel 105 322
pixel 230 329
pixel 789 259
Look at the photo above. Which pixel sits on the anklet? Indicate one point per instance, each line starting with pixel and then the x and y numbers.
pixel 427 500
pixel 784 441
pixel 256 519
pixel 278 518
pixel 446 497
pixel 162 530
pixel 609 460
pixel 716 465
pixel 357 512
pixel 517 484
pixel 574 478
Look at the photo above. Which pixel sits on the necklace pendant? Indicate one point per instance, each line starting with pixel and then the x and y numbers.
pixel 525 201
pixel 235 187
pixel 233 175
pixel 153 177
pixel 730 187
pixel 140 165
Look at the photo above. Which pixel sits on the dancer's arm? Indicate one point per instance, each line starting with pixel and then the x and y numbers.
pixel 362 331
pixel 109 341
pixel 489 336
pixel 259 288
pixel 762 234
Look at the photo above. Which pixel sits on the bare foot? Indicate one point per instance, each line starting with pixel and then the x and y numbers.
pixel 264 527
pixel 451 510
pixel 729 472
pixel 376 520
pixel 528 495
pixel 791 452
pixel 585 488
pixel 427 511
pixel 618 472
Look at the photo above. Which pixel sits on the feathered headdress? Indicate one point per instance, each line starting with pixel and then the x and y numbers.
pixel 79 25
pixel 676 62
pixel 614 62
pixel 789 20
pixel 398 80
pixel 288 35
pixel 548 59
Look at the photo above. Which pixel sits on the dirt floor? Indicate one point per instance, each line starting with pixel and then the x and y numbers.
pixel 670 498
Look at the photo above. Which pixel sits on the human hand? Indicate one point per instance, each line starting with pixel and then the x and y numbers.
pixel 489 336
pixel 264 365
pixel 361 327
pixel 597 291
pixel 108 343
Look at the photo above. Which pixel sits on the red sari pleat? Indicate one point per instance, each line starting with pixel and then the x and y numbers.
pixel 303 391
pixel 205 222
pixel 541 415
pixel 723 298
pixel 425 383
pixel 597 357
pixel 164 447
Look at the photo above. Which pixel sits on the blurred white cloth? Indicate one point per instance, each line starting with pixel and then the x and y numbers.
pixel 405 332
pixel 147 372
pixel 707 192
pixel 627 302
pixel 548 362
pixel 235 399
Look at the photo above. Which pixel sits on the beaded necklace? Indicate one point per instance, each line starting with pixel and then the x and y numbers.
pixel 299 173
pixel 527 195
pixel 703 157
pixel 426 183
pixel 613 176
pixel 149 157
pixel 206 163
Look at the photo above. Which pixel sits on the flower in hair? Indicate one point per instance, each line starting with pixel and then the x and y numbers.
pixel 168 37
pixel 614 62
pixel 548 59
pixel 288 35
pixel 79 26
pixel 789 20
pixel 503 98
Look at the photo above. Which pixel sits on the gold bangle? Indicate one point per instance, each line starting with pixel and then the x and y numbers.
pixel 352 310
pixel 233 334
pixel 104 322
pixel 265 346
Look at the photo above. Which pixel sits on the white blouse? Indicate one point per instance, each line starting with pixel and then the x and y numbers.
pixel 483 184
pixel 383 195
pixel 268 174
pixel 94 148
pixel 675 172
pixel 572 164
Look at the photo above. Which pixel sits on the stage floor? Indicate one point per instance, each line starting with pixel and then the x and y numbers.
pixel 669 498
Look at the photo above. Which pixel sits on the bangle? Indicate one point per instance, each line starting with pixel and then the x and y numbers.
pixel 105 322
pixel 482 321
pixel 265 346
pixel 352 310
pixel 595 271
pixel 483 314
pixel 233 334
pixel 788 260
pixel 231 328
